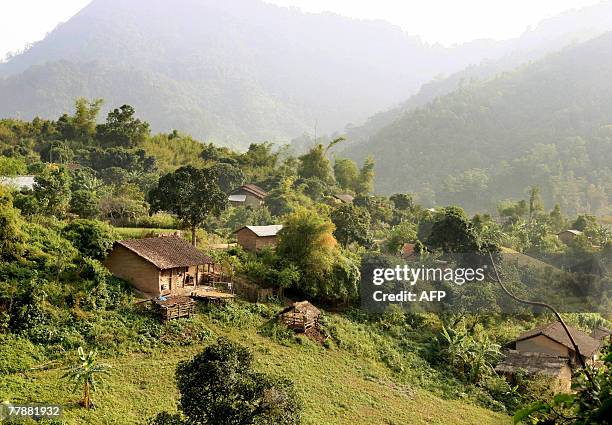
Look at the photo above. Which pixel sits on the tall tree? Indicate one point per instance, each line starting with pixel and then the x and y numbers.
pixel 122 128
pixel 190 193
pixel 352 225
pixel 365 182
pixel 346 173
pixel 52 190
pixel 314 163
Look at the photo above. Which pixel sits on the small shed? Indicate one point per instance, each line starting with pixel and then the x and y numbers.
pixel 255 238
pixel 567 236
pixel 175 307
pixel 248 195
pixel 301 316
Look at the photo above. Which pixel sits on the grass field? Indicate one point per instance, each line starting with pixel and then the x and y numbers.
pixel 337 386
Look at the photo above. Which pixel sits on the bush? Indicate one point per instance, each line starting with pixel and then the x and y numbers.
pixel 18 354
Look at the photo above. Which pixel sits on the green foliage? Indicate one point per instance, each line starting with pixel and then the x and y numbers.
pixel 315 164
pixel 352 225
pixel 84 373
pixel 52 191
pixel 220 386
pixel 12 166
pixel 346 173
pixel 403 233
pixel 192 194
pixel 18 354
pixel 12 237
pixel 471 356
pixel 122 128
pixel 91 237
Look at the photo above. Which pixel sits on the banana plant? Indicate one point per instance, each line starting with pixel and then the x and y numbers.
pixel 84 374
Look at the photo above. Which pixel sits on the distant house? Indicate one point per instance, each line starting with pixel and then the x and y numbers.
pixel 166 265
pixel 19 182
pixel 548 351
pixel 249 195
pixel 567 236
pixel 254 238
pixel 344 198
pixel 552 339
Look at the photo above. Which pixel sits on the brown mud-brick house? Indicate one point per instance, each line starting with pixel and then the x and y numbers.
pixel 255 238
pixel 249 195
pixel 166 265
pixel 548 351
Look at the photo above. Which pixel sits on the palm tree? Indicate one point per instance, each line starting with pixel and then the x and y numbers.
pixel 85 373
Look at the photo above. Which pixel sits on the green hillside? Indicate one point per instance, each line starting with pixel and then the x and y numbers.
pixel 338 385
pixel 545 124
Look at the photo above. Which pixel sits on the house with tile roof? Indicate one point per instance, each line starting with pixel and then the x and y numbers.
pixel 248 195
pixel 166 265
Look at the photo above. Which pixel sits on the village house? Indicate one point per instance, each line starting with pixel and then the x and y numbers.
pixel 567 236
pixel 548 351
pixel 166 265
pixel 255 238
pixel 345 198
pixel 248 195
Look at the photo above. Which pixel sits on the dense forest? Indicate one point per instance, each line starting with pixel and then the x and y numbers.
pixel 545 124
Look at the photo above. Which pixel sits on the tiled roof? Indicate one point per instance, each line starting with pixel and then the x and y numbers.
pixel 587 345
pixel 262 231
pixel 254 189
pixel 166 252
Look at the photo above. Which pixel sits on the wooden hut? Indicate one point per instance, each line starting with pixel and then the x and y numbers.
pixel 248 195
pixel 175 307
pixel 301 316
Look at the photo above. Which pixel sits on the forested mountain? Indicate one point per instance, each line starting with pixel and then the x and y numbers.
pixel 548 124
pixel 241 71
pixel 233 72
pixel 550 35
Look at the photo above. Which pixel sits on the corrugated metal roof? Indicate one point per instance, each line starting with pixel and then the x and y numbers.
pixel 166 252
pixel 263 231
pixel 20 182
pixel 237 198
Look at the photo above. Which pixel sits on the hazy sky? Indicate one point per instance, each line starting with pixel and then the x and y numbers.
pixel 444 21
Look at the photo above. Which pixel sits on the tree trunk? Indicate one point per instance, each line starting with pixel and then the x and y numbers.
pixel 193 236
pixel 86 401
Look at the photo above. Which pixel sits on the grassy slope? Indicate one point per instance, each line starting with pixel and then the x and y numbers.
pixel 336 386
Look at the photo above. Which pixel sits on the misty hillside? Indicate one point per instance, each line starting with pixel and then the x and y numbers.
pixel 550 35
pixel 236 72
pixel 547 124
pixel 239 71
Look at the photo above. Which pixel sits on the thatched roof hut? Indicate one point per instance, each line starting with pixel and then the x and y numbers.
pixel 537 364
pixel 300 316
